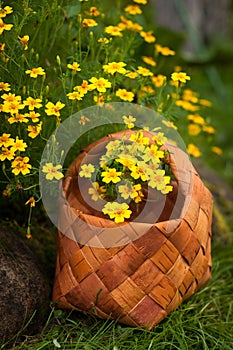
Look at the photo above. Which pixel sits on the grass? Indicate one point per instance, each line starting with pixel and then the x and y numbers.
pixel 205 321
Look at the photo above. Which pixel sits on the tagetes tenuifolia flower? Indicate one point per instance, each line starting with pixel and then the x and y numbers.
pixel 54 109
pixel 114 67
pixel 117 211
pixel 111 175
pixel 164 50
pixel 34 130
pixel 6 140
pixel 75 66
pixel 100 84
pixel 148 36
pixel 20 165
pixel 125 95
pixel 34 72
pixel 180 76
pixel 4 86
pixel 24 41
pixel 87 170
pixel 33 103
pixel 4 26
pixel 133 9
pixel 52 171
pixel 193 150
pixel 114 31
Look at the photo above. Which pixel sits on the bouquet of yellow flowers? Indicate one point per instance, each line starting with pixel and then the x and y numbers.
pixel 127 173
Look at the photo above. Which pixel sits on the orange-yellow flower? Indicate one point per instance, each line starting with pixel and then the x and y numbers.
pixel 194 150
pixel 6 153
pixel 34 130
pixel 75 66
pixel 180 76
pixel 54 109
pixel 4 26
pixel 34 72
pixel 164 50
pixel 144 71
pixel 100 84
pixel 114 30
pixel 20 165
pixel 5 11
pixel 111 175
pixel 133 9
pixel 149 60
pixel 117 211
pixel 6 140
pixel 148 36
pixel 17 118
pixel 33 103
pixel 52 171
pixel 89 22
pixel 24 41
pixel 19 145
pixel 125 95
pixel 114 67
pixel 4 86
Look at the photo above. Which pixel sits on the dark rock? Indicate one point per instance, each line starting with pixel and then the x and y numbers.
pixel 24 290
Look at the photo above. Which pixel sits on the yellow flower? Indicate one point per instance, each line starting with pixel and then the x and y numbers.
pixel 159 80
pixel 159 138
pixel 127 160
pixel 4 26
pixel 6 140
pixel 114 30
pixel 12 107
pixel 75 66
pixel 54 109
pixel 194 150
pixel 20 165
pixel 11 97
pixel 24 41
pixel 217 150
pixel 83 88
pixel 131 75
pixel 180 76
pixel 194 129
pixel 6 153
pixel 17 118
pixel 89 22
pixel 19 145
pixel 187 105
pixel 99 100
pixel 153 153
pixel 31 201
pixel 52 171
pixel 128 191
pixel 158 180
pixel 205 103
pixel 144 71
pixel 129 121
pixel 164 50
pixel 96 191
pixel 34 72
pixel 148 36
pixel 100 84
pixel 33 116
pixel 129 25
pixel 114 67
pixel 125 95
pixel 34 130
pixel 133 9
pixel 5 11
pixel 2 47
pixel 33 103
pixel 209 129
pixel 75 95
pixel 196 118
pixel 139 172
pixel 94 11
pixel 139 138
pixel 190 95
pixel 166 189
pixel 103 41
pixel 87 170
pixel 111 175
pixel 117 211
pixel 4 86
pixel 149 60
pixel 169 124
pixel 143 2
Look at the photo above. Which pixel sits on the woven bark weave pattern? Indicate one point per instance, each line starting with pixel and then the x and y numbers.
pixel 140 282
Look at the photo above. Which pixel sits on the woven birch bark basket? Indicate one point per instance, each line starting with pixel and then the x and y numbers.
pixel 135 272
